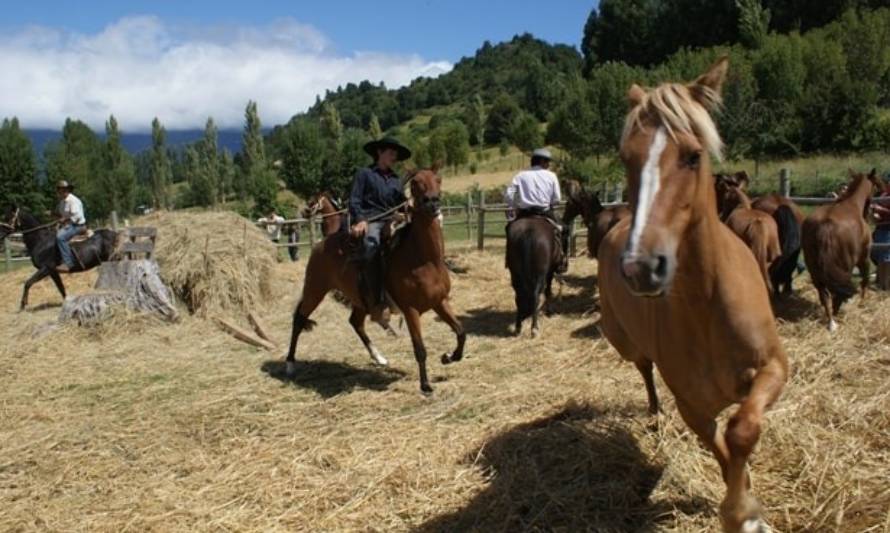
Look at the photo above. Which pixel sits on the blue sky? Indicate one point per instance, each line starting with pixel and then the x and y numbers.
pixel 435 29
pixel 185 61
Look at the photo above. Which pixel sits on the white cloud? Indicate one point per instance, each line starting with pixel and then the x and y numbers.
pixel 140 67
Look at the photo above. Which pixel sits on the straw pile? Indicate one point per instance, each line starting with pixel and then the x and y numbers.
pixel 214 262
pixel 177 428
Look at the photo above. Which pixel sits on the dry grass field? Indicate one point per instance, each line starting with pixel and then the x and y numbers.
pixel 138 425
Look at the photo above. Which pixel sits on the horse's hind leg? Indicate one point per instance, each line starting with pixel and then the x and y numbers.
pixel 864 271
pixel 304 309
pixel 39 275
pixel 412 317
pixel 57 279
pixel 445 313
pixel 828 307
pixel 739 509
pixel 357 319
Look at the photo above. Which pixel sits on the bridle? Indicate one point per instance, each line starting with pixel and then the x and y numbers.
pixel 11 225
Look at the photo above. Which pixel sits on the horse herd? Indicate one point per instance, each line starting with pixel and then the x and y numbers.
pixel 685 275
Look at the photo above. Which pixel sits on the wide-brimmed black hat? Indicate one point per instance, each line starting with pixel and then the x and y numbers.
pixel 387 142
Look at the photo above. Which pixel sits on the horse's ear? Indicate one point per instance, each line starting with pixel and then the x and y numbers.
pixel 707 87
pixel 873 173
pixel 573 188
pixel 635 95
pixel 742 179
pixel 437 165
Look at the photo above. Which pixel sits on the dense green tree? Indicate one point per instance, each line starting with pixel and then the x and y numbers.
pixel 18 169
pixel 374 128
pixel 574 125
pixel 474 118
pixel 753 23
pixel 525 133
pixel 303 154
pixel 115 189
pixel 228 173
pixel 253 152
pixel 159 167
pixel 503 112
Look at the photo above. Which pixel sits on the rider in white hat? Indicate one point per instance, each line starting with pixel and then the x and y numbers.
pixel 72 220
pixel 535 192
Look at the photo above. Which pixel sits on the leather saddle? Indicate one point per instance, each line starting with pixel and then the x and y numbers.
pixel 84 235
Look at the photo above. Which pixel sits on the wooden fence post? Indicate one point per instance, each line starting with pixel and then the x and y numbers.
pixel 480 233
pixel 785 182
pixel 114 222
pixel 469 221
pixel 571 239
pixel 7 254
pixel 883 280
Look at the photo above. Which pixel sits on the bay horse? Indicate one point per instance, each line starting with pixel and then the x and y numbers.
pixel 532 258
pixel 40 242
pixel 416 279
pixel 836 237
pixel 680 291
pixel 597 219
pixel 328 209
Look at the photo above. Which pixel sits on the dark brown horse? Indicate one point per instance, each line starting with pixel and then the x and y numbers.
pixel 532 257
pixel 416 279
pixel 836 238
pixel 40 241
pixel 679 290
pixel 324 206
pixel 597 219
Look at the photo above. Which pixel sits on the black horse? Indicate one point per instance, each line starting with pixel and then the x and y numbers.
pixel 40 241
pixel 532 257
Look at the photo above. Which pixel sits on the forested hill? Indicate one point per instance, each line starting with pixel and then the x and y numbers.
pixel 524 68
pixel 138 142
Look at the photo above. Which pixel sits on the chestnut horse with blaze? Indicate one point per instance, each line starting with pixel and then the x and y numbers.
pixel 416 279
pixel 679 290
pixel 324 206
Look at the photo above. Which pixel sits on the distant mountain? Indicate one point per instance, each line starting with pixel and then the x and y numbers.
pixel 137 142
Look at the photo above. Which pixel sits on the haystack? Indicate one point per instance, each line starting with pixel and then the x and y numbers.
pixel 214 262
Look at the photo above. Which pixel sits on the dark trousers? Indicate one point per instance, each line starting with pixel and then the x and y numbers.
pixel 371 271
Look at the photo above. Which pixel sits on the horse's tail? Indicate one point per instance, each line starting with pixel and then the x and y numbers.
pixel 833 276
pixel 527 282
pixel 789 241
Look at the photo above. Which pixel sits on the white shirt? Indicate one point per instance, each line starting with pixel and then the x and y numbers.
pixel 273 226
pixel 72 208
pixel 535 187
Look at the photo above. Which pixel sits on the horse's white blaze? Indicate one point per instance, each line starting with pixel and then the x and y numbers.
pixel 650 182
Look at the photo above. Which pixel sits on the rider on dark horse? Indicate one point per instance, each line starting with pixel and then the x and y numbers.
pixel 535 192
pixel 376 192
pixel 72 222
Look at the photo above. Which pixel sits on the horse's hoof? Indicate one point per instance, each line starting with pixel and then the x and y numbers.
pixel 832 326
pixel 536 332
pixel 290 369
pixel 446 359
pixel 377 357
pixel 425 389
pixel 755 525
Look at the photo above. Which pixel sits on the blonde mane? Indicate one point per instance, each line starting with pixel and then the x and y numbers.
pixel 675 108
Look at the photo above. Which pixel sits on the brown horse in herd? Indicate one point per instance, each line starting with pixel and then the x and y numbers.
pixel 532 258
pixel 416 279
pixel 324 205
pixel 597 219
pixel 769 225
pixel 836 238
pixel 679 290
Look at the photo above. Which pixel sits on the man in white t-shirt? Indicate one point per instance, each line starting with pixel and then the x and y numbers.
pixel 535 191
pixel 72 222
pixel 272 221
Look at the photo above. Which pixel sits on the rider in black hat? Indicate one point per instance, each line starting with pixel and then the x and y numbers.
pixel 376 191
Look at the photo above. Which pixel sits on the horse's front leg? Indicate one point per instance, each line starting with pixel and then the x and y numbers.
pixel 443 309
pixel 39 275
pixel 57 279
pixel 864 271
pixel 412 317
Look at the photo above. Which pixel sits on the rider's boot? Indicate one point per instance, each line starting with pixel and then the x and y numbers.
pixel 563 265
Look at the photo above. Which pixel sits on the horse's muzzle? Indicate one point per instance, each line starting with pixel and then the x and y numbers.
pixel 431 205
pixel 647 275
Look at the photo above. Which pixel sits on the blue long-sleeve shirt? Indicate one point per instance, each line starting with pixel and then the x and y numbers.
pixel 374 192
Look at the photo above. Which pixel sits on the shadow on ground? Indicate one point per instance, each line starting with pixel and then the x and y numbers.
pixel 577 303
pixel 574 471
pixel 488 322
pixel 794 308
pixel 330 378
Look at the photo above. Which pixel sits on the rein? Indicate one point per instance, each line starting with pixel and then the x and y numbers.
pixel 15 221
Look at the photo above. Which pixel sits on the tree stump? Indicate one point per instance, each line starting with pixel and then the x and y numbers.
pixel 136 284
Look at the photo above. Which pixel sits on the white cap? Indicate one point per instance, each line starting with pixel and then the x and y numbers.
pixel 542 153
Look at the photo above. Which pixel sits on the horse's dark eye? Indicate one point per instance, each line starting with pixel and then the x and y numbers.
pixel 693 159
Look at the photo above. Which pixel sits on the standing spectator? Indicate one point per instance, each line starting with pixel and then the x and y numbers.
pixel 293 237
pixel 881 216
pixel 272 222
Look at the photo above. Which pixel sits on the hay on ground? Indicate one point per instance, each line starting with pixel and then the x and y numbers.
pixel 214 262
